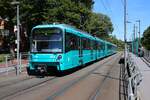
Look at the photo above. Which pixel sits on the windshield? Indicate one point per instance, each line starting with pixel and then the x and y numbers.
pixel 47 40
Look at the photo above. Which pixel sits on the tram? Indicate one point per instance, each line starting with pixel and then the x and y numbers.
pixel 60 47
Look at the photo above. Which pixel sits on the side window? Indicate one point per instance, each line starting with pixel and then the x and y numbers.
pixel 109 47
pixel 86 44
pixel 95 45
pixel 102 46
pixel 83 43
pixel 99 46
pixel 71 42
pixel 92 44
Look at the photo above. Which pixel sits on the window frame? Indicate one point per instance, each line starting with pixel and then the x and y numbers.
pixel 31 40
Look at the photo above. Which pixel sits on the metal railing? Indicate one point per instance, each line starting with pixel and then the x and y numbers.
pixel 10 63
pixel 134 78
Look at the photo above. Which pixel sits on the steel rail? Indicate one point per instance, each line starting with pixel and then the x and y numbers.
pixel 24 90
pixel 98 90
pixel 72 83
pixel 6 83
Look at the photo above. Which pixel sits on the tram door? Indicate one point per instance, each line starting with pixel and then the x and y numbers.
pixel 80 51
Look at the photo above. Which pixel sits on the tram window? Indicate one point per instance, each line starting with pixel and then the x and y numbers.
pixel 103 46
pixel 109 47
pixel 47 40
pixel 95 45
pixel 83 43
pixel 71 42
pixel 99 46
pixel 86 44
pixel 92 44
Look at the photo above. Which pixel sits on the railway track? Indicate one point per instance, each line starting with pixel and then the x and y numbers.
pixel 14 81
pixel 13 90
pixel 53 87
pixel 95 95
pixel 74 82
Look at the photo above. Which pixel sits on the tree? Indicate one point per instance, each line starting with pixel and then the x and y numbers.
pixel 114 40
pixel 34 12
pixel 73 12
pixel 99 25
pixel 68 12
pixel 146 38
pixel 6 8
pixel 86 3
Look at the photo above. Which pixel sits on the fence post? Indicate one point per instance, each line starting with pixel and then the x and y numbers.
pixel 20 64
pixel 130 91
pixel 6 64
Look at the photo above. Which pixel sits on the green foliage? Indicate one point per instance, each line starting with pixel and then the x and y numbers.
pixel 119 43
pixel 86 3
pixel 99 25
pixel 73 12
pixel 5 9
pixel 146 38
pixel 2 57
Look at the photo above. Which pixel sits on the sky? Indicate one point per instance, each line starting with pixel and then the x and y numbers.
pixel 136 10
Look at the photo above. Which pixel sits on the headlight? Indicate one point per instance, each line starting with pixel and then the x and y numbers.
pixel 59 57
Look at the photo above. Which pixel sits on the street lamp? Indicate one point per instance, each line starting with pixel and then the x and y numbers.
pixel 16 3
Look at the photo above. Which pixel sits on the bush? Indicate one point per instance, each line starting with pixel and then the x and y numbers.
pixel 2 57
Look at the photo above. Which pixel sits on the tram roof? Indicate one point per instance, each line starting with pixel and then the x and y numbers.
pixel 74 30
